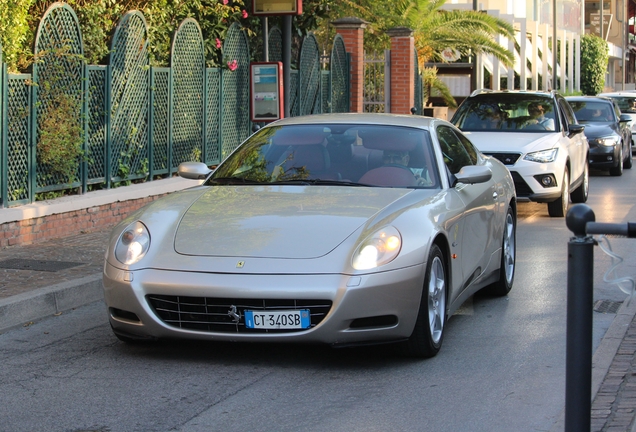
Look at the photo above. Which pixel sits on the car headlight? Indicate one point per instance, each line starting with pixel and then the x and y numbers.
pixel 543 156
pixel 132 244
pixel 608 141
pixel 378 249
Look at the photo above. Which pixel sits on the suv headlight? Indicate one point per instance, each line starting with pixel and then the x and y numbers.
pixel 132 244
pixel 608 141
pixel 543 156
pixel 377 249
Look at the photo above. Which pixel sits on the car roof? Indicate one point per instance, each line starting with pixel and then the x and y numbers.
pixel 631 93
pixel 589 98
pixel 409 120
pixel 548 94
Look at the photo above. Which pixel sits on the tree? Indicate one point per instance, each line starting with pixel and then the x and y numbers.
pixel 434 30
pixel 594 58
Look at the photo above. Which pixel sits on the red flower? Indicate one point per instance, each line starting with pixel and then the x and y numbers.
pixel 218 43
pixel 244 13
pixel 232 65
pixel 225 2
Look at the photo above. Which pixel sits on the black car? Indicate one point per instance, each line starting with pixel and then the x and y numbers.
pixel 607 131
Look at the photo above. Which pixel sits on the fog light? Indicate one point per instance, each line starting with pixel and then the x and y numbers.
pixel 546 180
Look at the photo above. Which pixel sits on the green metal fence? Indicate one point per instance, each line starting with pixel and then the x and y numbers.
pixel 137 122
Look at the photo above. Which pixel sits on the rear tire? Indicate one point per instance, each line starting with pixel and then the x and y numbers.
pixel 508 254
pixel 559 207
pixel 428 334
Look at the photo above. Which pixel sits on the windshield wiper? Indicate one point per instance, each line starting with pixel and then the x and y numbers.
pixel 232 181
pixel 315 182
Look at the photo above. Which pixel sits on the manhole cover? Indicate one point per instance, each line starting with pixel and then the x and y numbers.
pixel 607 306
pixel 37 265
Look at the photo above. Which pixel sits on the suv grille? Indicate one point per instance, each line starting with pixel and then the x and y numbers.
pixel 522 188
pixel 211 314
pixel 505 158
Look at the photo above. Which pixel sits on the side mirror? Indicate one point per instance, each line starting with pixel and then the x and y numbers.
pixel 575 129
pixel 624 118
pixel 193 170
pixel 472 174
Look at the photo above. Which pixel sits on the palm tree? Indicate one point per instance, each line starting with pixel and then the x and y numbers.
pixel 434 30
pixel 465 31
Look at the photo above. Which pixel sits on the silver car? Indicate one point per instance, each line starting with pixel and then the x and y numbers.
pixel 338 229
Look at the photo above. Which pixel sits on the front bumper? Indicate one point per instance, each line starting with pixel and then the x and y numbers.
pixel 604 157
pixel 371 308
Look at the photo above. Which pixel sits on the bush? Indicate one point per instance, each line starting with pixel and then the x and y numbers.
pixel 594 59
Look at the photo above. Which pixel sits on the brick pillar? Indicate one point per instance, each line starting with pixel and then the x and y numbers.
pixel 402 70
pixel 352 31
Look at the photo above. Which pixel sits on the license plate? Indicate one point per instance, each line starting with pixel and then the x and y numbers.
pixel 292 319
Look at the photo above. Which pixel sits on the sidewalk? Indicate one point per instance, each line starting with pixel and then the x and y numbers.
pixel 40 280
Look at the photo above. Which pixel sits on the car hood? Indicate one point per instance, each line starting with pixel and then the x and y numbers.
pixel 277 221
pixel 598 130
pixel 522 142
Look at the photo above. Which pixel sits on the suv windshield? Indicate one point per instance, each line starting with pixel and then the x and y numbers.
pixel 506 112
pixel 627 104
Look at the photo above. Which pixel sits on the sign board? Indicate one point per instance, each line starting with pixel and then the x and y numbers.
pixel 595 24
pixel 277 7
pixel 266 86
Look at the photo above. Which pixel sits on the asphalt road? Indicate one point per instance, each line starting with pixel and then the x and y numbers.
pixel 502 366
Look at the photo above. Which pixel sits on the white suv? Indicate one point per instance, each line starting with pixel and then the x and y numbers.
pixel 536 135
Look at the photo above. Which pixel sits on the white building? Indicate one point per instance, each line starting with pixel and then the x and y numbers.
pixel 534 23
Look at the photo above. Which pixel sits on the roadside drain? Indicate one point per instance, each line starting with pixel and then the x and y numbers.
pixel 37 265
pixel 607 306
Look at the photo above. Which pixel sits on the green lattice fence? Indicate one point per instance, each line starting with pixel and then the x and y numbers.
pixel 339 77
pixel 3 130
pixel 160 121
pixel 60 93
pixel 139 122
pixel 309 90
pixel 188 75
pixel 129 99
pixel 20 159
pixel 275 45
pixel 213 117
pixel 97 124
pixel 235 123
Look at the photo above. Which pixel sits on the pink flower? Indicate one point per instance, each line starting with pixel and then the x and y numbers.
pixel 244 13
pixel 232 65
pixel 225 2
pixel 218 43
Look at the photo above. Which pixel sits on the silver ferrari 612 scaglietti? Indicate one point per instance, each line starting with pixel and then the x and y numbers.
pixel 339 229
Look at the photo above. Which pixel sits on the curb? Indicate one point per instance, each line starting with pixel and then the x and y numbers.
pixel 22 308
pixel 605 353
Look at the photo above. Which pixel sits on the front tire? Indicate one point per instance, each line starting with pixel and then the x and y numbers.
pixel 581 193
pixel 508 254
pixel 617 171
pixel 428 334
pixel 559 207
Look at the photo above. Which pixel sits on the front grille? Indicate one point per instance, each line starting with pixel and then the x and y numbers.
pixel 522 188
pixel 505 158
pixel 214 314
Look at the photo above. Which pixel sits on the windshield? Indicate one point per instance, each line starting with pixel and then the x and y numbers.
pixel 506 112
pixel 334 154
pixel 627 104
pixel 593 111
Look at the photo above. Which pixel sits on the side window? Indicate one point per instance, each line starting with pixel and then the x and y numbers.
pixel 471 151
pixel 567 111
pixel 455 154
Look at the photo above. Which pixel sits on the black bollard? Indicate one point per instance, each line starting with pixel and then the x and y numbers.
pixel 578 356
